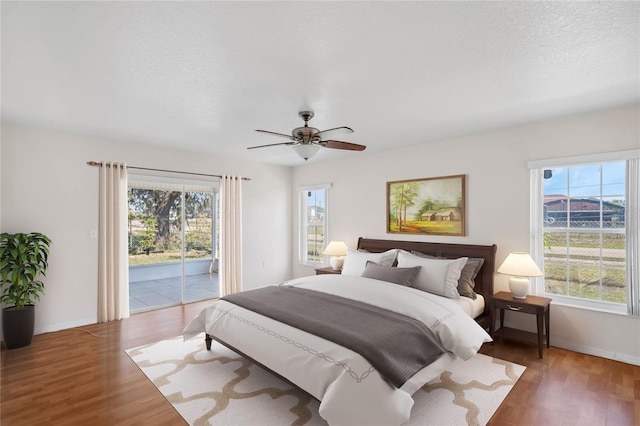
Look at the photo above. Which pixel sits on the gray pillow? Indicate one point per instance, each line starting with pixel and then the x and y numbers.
pixel 466 282
pixel 391 274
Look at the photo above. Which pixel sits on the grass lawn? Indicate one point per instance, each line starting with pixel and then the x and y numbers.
pixel 163 257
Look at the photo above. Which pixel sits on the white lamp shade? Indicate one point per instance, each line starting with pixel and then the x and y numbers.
pixel 306 150
pixel 336 248
pixel 520 265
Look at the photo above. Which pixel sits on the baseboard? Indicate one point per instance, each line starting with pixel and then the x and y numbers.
pixel 628 359
pixel 63 326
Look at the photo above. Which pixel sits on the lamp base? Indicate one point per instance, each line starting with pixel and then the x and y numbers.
pixel 519 287
pixel 336 262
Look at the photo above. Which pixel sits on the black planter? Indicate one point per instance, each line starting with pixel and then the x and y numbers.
pixel 17 326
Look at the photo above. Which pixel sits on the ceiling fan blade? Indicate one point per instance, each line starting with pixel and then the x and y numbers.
pixel 336 131
pixel 342 145
pixel 282 135
pixel 272 144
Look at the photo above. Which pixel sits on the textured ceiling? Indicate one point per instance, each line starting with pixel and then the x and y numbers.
pixel 204 75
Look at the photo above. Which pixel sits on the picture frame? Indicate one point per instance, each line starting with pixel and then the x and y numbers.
pixel 427 206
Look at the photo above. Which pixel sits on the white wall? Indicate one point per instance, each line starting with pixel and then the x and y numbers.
pixel 495 165
pixel 48 187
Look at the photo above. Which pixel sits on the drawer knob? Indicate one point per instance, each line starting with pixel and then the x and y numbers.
pixel 514 308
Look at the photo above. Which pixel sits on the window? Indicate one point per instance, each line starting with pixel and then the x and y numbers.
pixel 585 230
pixel 314 223
pixel 173 241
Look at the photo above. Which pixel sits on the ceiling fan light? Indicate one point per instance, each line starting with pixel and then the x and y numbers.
pixel 306 150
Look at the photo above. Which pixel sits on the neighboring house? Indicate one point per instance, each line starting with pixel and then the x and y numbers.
pixel 316 212
pixel 581 211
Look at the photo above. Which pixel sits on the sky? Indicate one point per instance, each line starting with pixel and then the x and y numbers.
pixel 315 197
pixel 584 181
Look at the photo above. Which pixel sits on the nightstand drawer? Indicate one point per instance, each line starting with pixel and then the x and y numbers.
pixel 329 270
pixel 514 306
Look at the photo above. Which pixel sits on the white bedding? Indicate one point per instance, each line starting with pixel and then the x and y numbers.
pixel 350 390
pixel 472 307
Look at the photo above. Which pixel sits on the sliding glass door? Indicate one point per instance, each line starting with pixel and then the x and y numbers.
pixel 172 228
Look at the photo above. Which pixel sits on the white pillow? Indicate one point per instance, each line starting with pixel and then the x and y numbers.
pixel 437 276
pixel 356 261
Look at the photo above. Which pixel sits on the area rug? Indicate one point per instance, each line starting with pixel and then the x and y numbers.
pixel 219 387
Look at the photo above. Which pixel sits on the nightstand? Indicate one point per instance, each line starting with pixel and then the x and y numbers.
pixel 328 270
pixel 530 305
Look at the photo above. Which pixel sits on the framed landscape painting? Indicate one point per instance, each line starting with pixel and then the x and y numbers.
pixel 431 206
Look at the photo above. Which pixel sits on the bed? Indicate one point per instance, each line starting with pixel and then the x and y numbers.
pixel 353 388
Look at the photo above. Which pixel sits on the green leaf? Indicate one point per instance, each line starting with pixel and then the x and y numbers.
pixel 23 257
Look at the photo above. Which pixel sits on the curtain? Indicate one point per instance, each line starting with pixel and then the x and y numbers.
pixel 536 244
pixel 113 270
pixel 632 220
pixel 230 235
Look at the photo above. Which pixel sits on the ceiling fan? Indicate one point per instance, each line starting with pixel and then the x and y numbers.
pixel 306 141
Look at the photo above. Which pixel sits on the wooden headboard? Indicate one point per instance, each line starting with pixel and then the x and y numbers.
pixel 484 280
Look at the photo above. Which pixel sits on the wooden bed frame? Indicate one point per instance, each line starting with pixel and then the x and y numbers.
pixel 484 279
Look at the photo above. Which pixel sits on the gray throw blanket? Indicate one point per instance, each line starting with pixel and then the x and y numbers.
pixel 396 345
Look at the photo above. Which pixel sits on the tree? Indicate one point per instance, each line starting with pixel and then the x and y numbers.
pixel 158 205
pixel 161 211
pixel 198 204
pixel 402 196
pixel 149 237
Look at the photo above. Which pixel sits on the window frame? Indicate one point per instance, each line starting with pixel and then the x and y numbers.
pixel 302 224
pixel 168 181
pixel 632 195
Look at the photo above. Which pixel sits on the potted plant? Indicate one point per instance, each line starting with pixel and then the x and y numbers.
pixel 23 258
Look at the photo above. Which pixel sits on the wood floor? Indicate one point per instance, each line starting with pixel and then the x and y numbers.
pixel 567 388
pixel 82 376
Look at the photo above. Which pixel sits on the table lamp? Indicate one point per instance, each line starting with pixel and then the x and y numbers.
pixel 337 250
pixel 520 266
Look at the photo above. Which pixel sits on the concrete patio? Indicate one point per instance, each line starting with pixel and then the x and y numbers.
pixel 163 292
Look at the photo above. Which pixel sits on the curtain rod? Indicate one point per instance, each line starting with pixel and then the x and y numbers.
pixel 100 164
